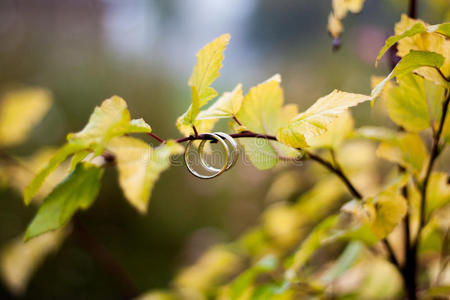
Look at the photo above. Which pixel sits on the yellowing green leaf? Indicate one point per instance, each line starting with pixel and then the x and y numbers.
pixel 209 62
pixel 410 62
pixel 19 260
pixel 314 240
pixel 22 171
pixel 77 191
pixel 381 134
pixel 336 133
pixel 408 151
pixel 20 111
pixel 262 112
pixel 413 30
pixel 60 156
pixel 109 120
pixel 226 106
pixel 316 119
pixel 216 264
pixel 140 166
pixel 407 103
pixel 438 192
pixel 390 208
pixel 425 41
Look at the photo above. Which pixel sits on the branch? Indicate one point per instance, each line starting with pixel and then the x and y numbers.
pixel 434 154
pixel 412 9
pixel 338 172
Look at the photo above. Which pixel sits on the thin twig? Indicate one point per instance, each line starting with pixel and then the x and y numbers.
pixel 236 120
pixel 156 137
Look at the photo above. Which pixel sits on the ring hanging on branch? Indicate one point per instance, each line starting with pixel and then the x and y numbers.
pixel 226 142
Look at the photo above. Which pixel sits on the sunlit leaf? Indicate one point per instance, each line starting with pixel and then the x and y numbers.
pixel 335 134
pixel 425 41
pixel 20 111
pixel 226 106
pixel 209 62
pixel 341 7
pixel 410 62
pixel 262 112
pixel 407 150
pixel 109 120
pixel 60 156
pixel 390 209
pixel 140 166
pixel 407 103
pixel 334 27
pixel 438 192
pixel 19 260
pixel 380 134
pixel 316 119
pixel 77 191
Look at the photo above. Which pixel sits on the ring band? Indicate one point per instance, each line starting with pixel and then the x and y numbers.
pixel 217 171
pixel 234 154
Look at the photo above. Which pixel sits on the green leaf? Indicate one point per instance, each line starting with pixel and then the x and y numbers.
pixel 410 62
pixel 246 278
pixel 345 261
pixel 390 208
pixel 311 244
pixel 20 111
pixel 77 191
pixel 407 103
pixel 60 156
pixel 262 112
pixel 415 29
pixel 316 119
pixel 140 166
pixel 380 134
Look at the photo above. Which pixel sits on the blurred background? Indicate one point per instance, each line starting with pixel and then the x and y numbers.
pixel 85 51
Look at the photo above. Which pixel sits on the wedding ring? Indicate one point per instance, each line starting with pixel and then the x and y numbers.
pixel 234 153
pixel 216 171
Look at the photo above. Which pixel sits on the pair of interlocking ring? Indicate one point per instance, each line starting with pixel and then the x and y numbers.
pixel 225 141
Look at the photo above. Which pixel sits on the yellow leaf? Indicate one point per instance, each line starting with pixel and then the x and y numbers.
pixel 316 119
pixel 107 121
pixel 19 111
pixel 19 260
pixel 209 62
pixel 20 175
pixel 438 192
pixel 335 27
pixel 336 133
pixel 216 264
pixel 140 166
pixel 262 112
pixel 408 151
pixel 390 208
pixel 226 106
pixel 426 41
pixel 341 7
pixel 407 103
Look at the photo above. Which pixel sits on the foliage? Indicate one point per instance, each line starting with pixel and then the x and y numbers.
pixel 276 259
